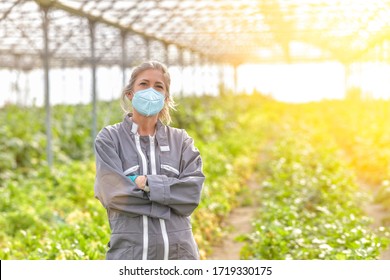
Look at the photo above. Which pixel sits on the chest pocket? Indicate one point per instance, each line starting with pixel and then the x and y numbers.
pixel 133 170
pixel 169 169
pixel 129 158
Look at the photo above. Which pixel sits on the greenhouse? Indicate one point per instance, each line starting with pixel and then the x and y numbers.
pixel 288 102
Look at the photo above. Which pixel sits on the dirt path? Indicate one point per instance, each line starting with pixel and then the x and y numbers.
pixel 238 223
pixel 377 213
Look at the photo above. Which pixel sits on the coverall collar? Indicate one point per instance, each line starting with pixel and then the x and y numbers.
pixel 161 133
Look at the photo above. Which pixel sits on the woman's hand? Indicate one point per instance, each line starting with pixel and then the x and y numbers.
pixel 140 181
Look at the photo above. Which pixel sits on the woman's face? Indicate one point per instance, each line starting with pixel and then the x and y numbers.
pixel 150 78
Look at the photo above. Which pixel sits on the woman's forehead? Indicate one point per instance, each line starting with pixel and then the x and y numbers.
pixel 152 75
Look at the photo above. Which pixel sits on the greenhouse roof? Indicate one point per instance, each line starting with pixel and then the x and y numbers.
pixel 180 31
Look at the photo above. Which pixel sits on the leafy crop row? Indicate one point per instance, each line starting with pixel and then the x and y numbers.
pixel 52 214
pixel 310 203
pixel 361 131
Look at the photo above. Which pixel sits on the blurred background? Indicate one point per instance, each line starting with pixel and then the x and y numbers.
pixel 310 76
pixel 293 50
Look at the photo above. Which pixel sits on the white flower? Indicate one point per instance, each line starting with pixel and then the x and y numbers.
pixel 79 253
pixel 326 247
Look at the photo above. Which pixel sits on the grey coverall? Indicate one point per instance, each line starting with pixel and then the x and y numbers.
pixel 154 225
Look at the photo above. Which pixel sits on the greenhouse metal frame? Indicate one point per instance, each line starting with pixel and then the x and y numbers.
pixel 49 34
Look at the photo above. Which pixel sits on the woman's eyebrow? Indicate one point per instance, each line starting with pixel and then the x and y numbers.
pixel 157 82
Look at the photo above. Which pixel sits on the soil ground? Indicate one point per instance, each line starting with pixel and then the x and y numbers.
pixel 239 222
pixel 378 213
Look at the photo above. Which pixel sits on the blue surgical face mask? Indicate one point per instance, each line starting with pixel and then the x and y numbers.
pixel 148 102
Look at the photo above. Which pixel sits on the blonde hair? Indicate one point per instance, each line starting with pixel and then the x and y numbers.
pixel 164 115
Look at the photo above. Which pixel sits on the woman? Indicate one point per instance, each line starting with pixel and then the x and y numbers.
pixel 148 175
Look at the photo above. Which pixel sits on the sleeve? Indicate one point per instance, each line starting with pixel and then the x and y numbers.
pixel 181 194
pixel 114 189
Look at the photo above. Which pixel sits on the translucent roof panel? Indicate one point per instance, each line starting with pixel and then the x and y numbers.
pixel 228 31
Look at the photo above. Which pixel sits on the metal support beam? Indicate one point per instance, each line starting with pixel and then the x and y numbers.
pixel 203 73
pixel 181 67
pixel 194 67
pixel 46 67
pixel 221 79
pixel 92 27
pixel 124 58
pixel 166 54
pixel 15 83
pixel 235 73
pixel 147 45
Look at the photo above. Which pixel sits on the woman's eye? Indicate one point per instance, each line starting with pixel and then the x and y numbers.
pixel 142 84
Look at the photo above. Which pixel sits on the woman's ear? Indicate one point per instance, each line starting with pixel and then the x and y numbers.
pixel 130 95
